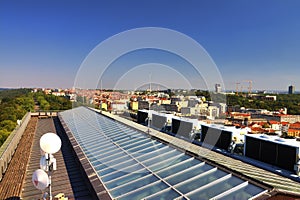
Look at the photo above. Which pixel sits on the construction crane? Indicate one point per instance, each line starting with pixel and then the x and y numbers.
pixel 249 86
pixel 237 88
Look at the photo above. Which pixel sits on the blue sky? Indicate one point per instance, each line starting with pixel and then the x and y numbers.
pixel 43 43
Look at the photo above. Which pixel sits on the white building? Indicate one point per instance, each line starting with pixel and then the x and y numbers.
pixel 213 112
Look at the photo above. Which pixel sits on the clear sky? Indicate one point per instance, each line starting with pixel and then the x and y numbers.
pixel 43 43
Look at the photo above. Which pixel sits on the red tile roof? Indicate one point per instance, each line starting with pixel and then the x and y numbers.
pixel 295 125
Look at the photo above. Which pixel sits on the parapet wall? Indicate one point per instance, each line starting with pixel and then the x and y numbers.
pixel 8 148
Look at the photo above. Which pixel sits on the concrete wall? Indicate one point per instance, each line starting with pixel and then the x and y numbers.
pixel 8 148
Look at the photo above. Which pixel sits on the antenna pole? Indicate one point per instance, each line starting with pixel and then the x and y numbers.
pixel 101 96
pixel 150 82
pixel 49 143
pixel 149 103
pixel 50 187
pixel 49 166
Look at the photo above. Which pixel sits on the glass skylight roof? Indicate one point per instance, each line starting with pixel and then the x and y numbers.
pixel 133 166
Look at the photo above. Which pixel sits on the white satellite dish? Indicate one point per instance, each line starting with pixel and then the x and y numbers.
pixel 50 143
pixel 40 179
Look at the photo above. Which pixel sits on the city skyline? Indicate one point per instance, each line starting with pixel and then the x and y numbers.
pixel 43 44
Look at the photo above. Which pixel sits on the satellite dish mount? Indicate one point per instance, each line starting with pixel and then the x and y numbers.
pixel 50 143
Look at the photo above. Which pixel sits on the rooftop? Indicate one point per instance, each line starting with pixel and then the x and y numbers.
pixel 68 179
pixel 132 165
pixel 111 157
pixel 246 167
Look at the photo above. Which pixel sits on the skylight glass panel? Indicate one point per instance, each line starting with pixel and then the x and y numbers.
pixel 133 166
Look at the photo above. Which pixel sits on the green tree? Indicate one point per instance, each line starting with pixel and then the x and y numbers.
pixel 3 135
pixel 51 102
pixel 13 106
pixel 8 125
pixel 291 102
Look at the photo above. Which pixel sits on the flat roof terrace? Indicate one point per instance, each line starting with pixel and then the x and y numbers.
pixel 72 153
pixel 128 164
pixel 68 179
